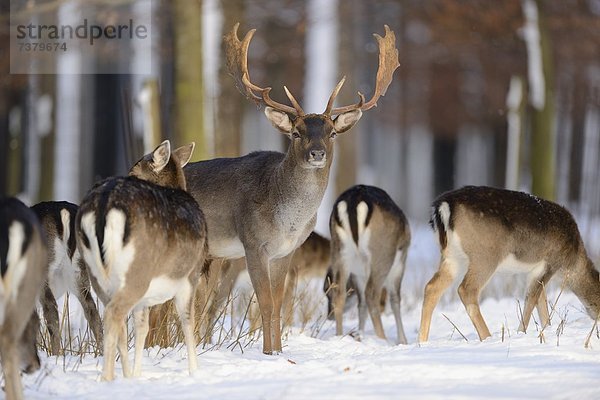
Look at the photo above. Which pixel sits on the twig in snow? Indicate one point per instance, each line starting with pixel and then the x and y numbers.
pixel 456 327
pixel 589 336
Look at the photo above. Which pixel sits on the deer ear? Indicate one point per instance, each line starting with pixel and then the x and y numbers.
pixel 279 119
pixel 347 120
pixel 183 154
pixel 161 155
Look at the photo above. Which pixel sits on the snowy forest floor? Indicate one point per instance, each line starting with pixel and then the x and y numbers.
pixel 316 364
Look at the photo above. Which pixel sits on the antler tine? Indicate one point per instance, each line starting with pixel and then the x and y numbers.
pixel 294 102
pixel 236 52
pixel 388 62
pixel 334 94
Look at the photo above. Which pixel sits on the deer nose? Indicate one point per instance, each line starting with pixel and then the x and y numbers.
pixel 317 155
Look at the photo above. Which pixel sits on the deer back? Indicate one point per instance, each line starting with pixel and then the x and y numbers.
pixel 495 223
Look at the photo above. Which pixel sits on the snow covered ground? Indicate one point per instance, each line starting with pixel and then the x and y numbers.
pixel 316 364
pixel 327 367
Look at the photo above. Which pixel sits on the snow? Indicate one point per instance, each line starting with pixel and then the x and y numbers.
pixel 316 364
pixel 329 367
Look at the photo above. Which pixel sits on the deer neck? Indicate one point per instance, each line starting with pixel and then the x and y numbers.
pixel 585 283
pixel 300 187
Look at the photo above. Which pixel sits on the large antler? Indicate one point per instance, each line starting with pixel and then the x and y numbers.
pixel 388 62
pixel 237 64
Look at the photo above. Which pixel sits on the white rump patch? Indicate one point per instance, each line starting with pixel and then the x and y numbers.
pixel 444 210
pixel 362 209
pixel 65 218
pixel 92 255
pixel 454 253
pixel 118 257
pixel 60 271
pixel 356 258
pixel 16 266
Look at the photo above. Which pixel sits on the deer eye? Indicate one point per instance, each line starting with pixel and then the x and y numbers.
pixel 295 135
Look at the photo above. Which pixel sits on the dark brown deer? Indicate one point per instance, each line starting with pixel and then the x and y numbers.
pixel 370 236
pixel 144 240
pixel 23 273
pixel 264 205
pixel 483 230
pixel 66 269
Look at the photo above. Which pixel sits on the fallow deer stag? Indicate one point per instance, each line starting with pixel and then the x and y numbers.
pixel 370 237
pixel 23 273
pixel 483 230
pixel 66 269
pixel 144 240
pixel 264 205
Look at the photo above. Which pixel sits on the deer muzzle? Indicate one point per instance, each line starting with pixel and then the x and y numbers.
pixel 317 158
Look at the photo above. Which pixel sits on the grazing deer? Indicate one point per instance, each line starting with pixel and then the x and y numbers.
pixel 23 273
pixel 264 205
pixel 483 230
pixel 311 259
pixel 370 237
pixel 66 269
pixel 144 240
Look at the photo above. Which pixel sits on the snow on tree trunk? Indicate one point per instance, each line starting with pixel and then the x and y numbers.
pixel 541 99
pixel 514 102
pixel 532 37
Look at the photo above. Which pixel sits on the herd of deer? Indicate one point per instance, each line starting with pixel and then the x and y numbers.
pixel 146 238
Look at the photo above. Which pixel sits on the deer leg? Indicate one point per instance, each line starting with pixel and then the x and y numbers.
pixel 10 367
pixel 542 308
pixel 534 296
pixel 184 304
pixel 474 281
pixel 340 279
pixel 115 335
pixel 222 293
pixel 258 269
pixel 123 349
pixel 278 273
pixel 373 297
pixel 88 304
pixel 395 301
pixel 207 295
pixel 112 331
pixel 50 310
pixel 433 291
pixel 291 283
pixel 142 326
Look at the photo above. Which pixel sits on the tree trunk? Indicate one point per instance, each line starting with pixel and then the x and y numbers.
pixel 346 144
pixel 542 122
pixel 189 91
pixel 231 102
